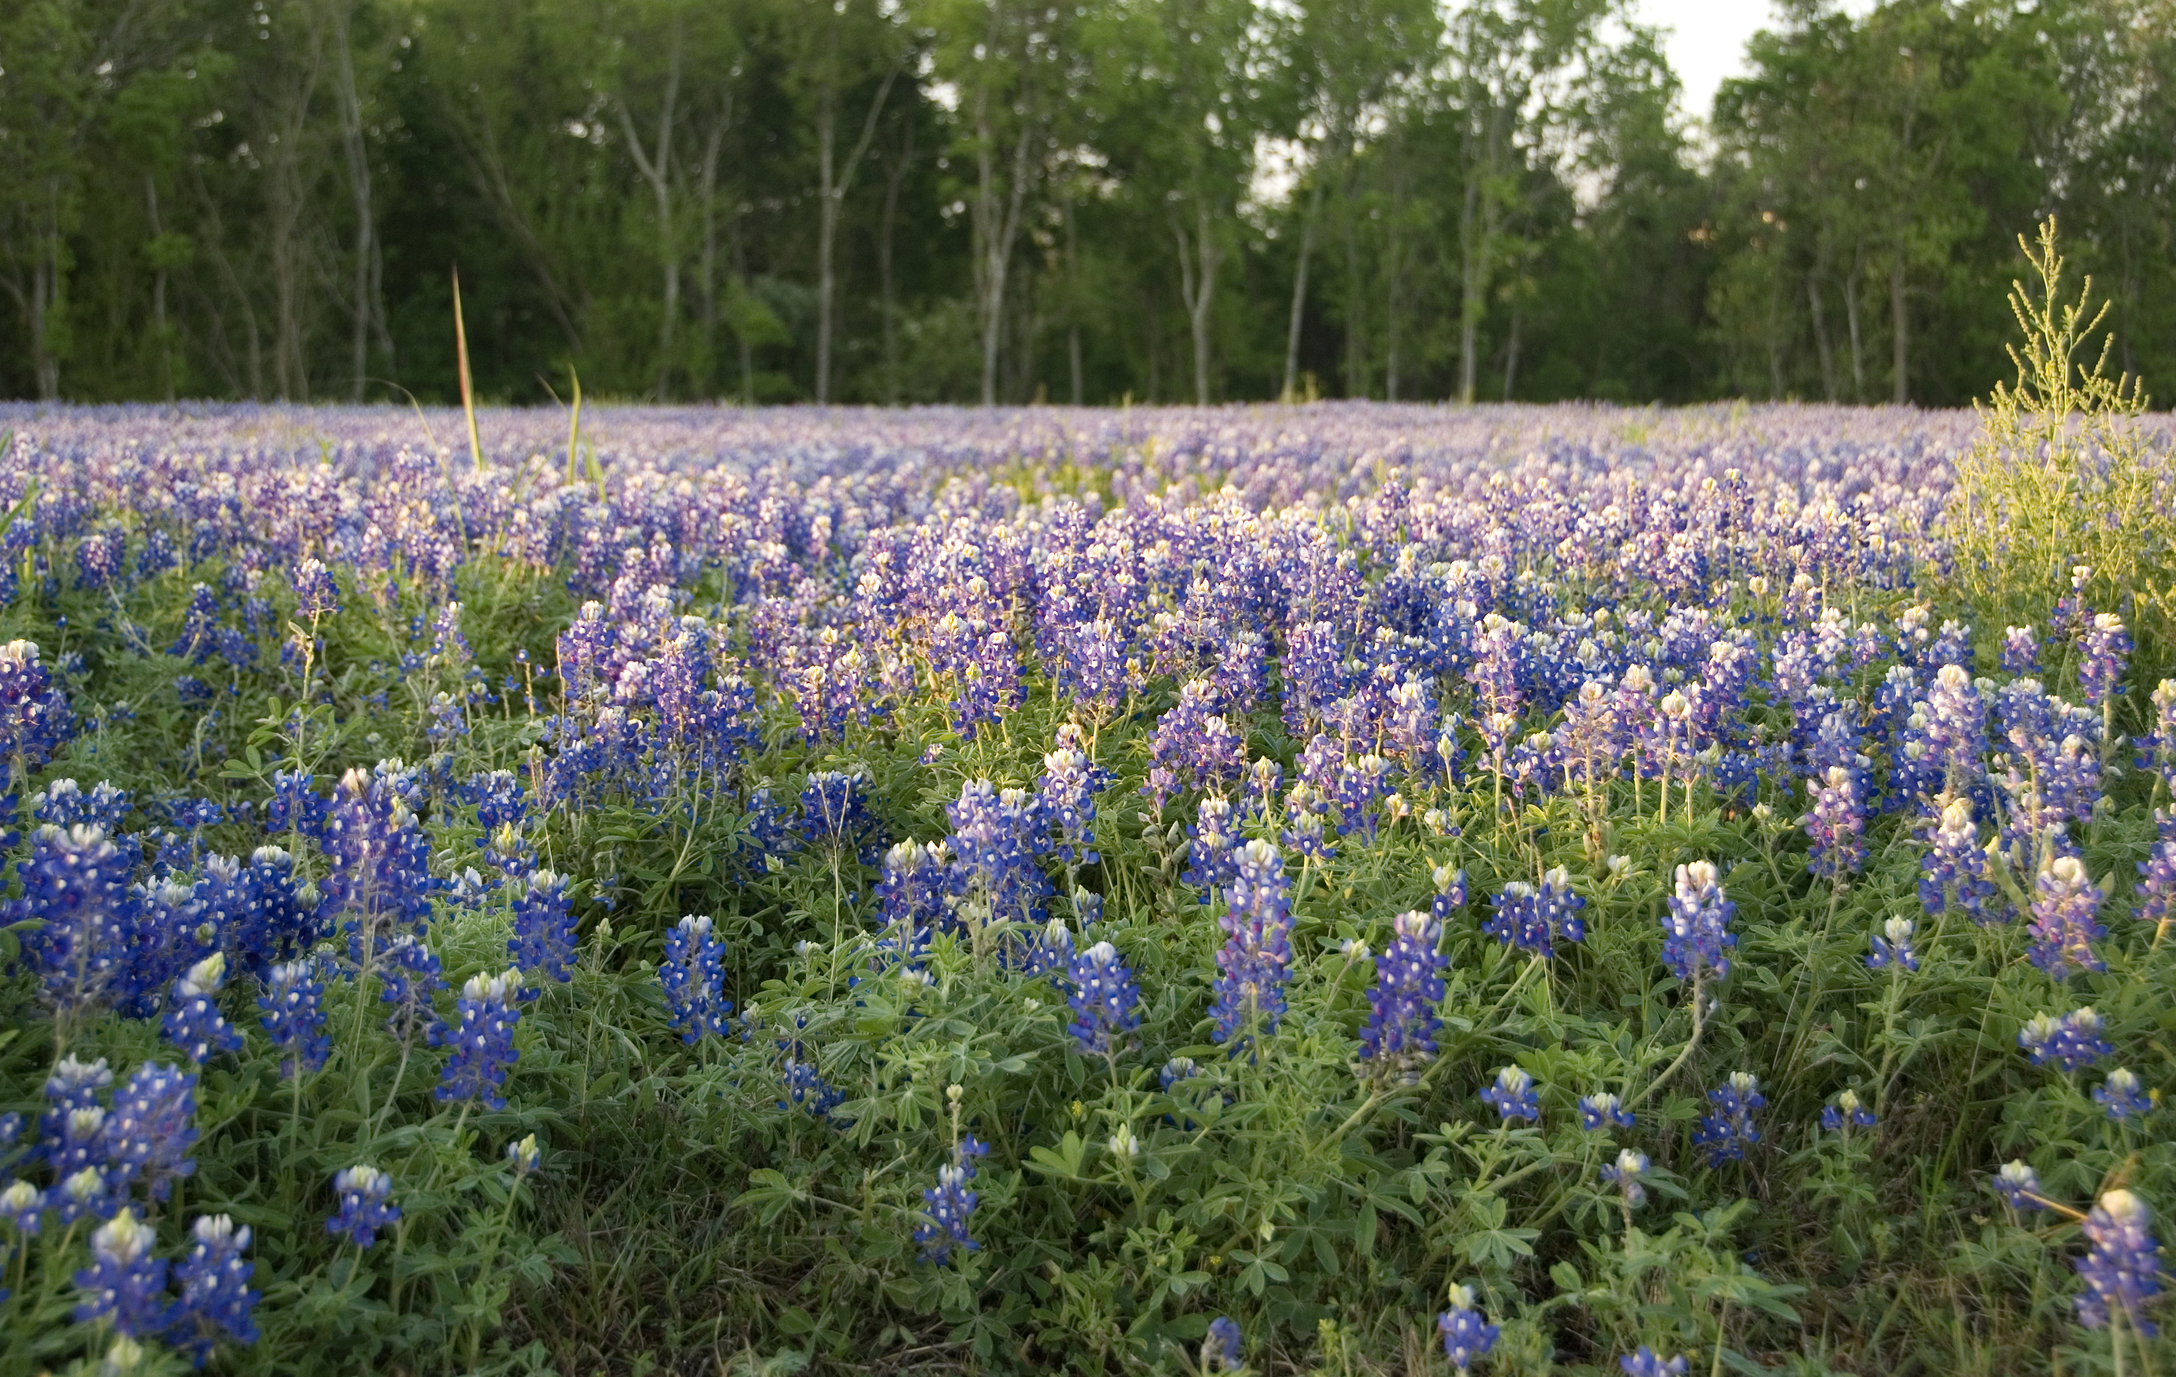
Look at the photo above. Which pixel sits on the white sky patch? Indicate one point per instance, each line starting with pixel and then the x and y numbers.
pixel 1705 41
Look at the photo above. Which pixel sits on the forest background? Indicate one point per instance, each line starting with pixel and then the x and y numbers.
pixel 1012 200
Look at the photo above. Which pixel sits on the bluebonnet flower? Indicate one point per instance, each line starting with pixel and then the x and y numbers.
pixel 1068 789
pixel 1196 743
pixel 1644 1363
pixel 2020 652
pixel 806 1089
pixel 483 1043
pixel 71 1132
pixel 1835 824
pixel 2156 901
pixel 193 1021
pixel 2106 650
pixel 294 1015
pixel 1450 893
pixel 316 594
pixel 1303 833
pixel 2064 925
pixel 1846 1113
pixel 2019 1186
pixel 1214 837
pixel 543 943
pixel 1105 1000
pixel 365 1205
pixel 35 718
pixel 996 835
pixel 1697 926
pixel 1513 1096
pixel 64 804
pixel 2123 1267
pixel 1467 1334
pixel 125 1285
pixel 1258 945
pixel 1893 946
pixel 1600 1111
pixel 2123 1095
pixel 1727 1129
pixel 949 1206
pixel 20 1205
pixel 379 855
pixel 151 1126
pixel 1400 1032
pixel 1220 1350
pixel 2068 1042
pixel 835 814
pixel 76 881
pixel 216 1299
pixel 1955 866
pixel 1533 919
pixel 693 975
pixel 1175 1070
pixel 523 1155
pixel 1625 1174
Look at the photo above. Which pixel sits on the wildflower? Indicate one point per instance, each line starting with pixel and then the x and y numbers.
pixel 1466 1332
pixel 1726 1130
pixel 1401 1029
pixel 544 938
pixel 316 594
pixel 2123 1268
pixel 294 1016
pixel 1257 948
pixel 1513 1096
pixel 835 814
pixel 1105 1000
pixel 1123 1144
pixel 124 1285
pixel 364 1193
pixel 1644 1363
pixel 1450 892
pixel 2107 649
pixel 193 1021
pixel 2019 1186
pixel 1697 927
pixel 2123 1095
pixel 2068 1042
pixel 807 1089
pixel 2064 925
pixel 483 1044
pixel 1599 1111
pixel 949 1205
pixel 1068 787
pixel 1893 946
pixel 1531 918
pixel 2020 652
pixel 1835 824
pixel 76 880
pixel 409 980
pixel 20 1205
pixel 524 1155
pixel 151 1126
pixel 1625 1174
pixel 1956 866
pixel 693 975
pixel 216 1298
pixel 1215 836
pixel 1846 1113
pixel 1220 1350
pixel 1175 1070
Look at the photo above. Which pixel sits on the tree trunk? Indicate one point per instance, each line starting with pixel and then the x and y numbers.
pixel 894 175
pixel 287 194
pixel 358 155
pixel 1299 290
pixel 657 171
pixel 1899 332
pixel 1511 355
pixel 1851 320
pixel 45 295
pixel 1072 299
pixel 158 291
pixel 834 182
pixel 1197 289
pixel 1820 338
pixel 707 265
pixel 997 222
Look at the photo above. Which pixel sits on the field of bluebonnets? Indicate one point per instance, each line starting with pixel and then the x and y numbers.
pixel 1335 889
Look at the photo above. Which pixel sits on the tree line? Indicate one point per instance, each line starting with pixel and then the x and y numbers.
pixel 1088 201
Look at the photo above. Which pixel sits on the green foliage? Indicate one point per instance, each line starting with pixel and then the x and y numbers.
pixel 2063 479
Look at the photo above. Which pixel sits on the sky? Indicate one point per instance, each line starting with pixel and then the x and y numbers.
pixel 1705 40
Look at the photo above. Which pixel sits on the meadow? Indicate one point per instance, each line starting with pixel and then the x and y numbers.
pixel 1338 889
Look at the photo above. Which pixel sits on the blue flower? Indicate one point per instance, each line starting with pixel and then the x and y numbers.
pixel 1645 1364
pixel 151 1126
pixel 544 940
pixel 1625 1174
pixel 1105 1000
pixel 1726 1130
pixel 2123 1096
pixel 1846 1113
pixel 20 1205
pixel 483 1044
pixel 2065 926
pixel 1513 1096
pixel 2123 1267
pixel 1257 922
pixel 1466 1332
pixel 1893 946
pixel 365 1206
pixel 693 975
pixel 1697 932
pixel 1532 919
pixel 1400 1032
pixel 1220 1351
pixel 125 1284
pixel 949 1206
pixel 410 980
pixel 2068 1042
pixel 193 1021
pixel 2019 1186
pixel 216 1298
pixel 1600 1111
pixel 295 1017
